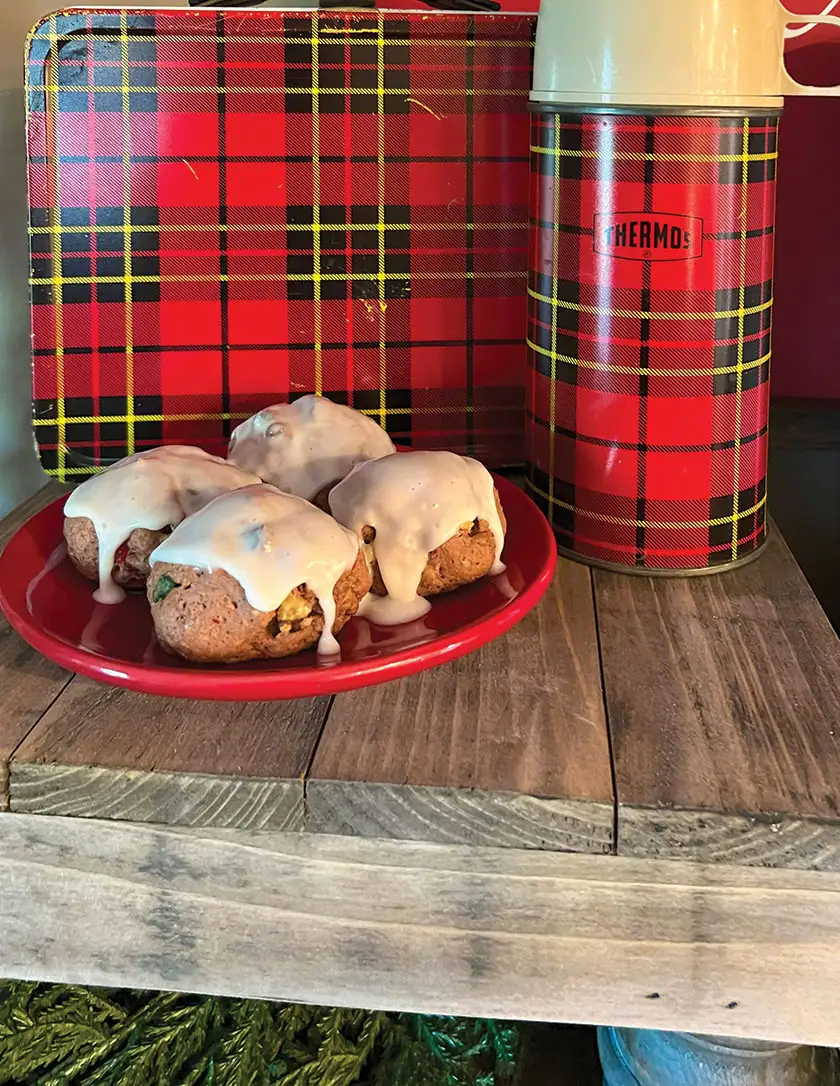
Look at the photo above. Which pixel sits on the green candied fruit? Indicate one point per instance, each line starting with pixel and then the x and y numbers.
pixel 164 587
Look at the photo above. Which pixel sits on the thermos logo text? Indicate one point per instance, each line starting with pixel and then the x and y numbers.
pixel 642 235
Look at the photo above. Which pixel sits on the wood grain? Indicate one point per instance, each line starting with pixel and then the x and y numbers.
pixel 505 747
pixel 723 697
pixel 28 682
pixel 412 926
pixel 100 752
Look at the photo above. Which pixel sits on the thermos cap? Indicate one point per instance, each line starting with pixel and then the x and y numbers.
pixel 669 53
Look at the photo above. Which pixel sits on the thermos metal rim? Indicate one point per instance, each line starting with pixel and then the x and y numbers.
pixel 654 111
pixel 658 572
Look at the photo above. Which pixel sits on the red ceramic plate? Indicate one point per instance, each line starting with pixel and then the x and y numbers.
pixel 52 607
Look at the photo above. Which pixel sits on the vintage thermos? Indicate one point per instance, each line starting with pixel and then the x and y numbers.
pixel 650 294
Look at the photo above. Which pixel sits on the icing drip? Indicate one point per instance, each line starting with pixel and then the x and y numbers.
pixel 387 611
pixel 154 490
pixel 304 446
pixel 415 502
pixel 270 542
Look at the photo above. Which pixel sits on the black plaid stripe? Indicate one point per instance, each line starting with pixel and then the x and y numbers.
pixel 567 138
pixel 754 343
pixel 95 442
pixel 752 529
pixel 353 251
pixel 648 446
pixel 397 401
pixel 88 253
pixel 644 348
pixel 560 511
pixel 79 60
pixel 762 140
pixel 563 337
pixel 335 75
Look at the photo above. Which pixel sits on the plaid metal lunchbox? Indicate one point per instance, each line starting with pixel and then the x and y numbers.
pixel 230 209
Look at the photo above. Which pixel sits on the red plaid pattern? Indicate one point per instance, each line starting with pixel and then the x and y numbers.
pixel 649 311
pixel 234 208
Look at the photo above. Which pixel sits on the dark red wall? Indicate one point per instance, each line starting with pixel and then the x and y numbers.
pixel 807 320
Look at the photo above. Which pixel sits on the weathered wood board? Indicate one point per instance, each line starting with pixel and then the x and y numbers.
pixel 507 746
pixel 29 684
pixel 405 925
pixel 723 696
pixel 106 753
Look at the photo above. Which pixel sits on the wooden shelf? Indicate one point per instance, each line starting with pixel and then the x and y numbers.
pixel 411 846
pixel 693 718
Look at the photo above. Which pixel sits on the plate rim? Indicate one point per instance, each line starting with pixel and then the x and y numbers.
pixel 202 683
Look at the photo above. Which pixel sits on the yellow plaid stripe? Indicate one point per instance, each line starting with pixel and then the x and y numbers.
pixel 555 244
pixel 652 156
pixel 454 91
pixel 641 314
pixel 736 486
pixel 380 196
pixel 127 259
pixel 629 522
pixel 316 221
pixel 56 250
pixel 636 371
pixel 238 416
pixel 249 227
pixel 64 470
pixel 371 35
pixel 294 277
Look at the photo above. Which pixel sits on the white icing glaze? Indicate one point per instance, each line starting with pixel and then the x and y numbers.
pixel 153 489
pixel 387 611
pixel 270 542
pixel 304 446
pixel 416 501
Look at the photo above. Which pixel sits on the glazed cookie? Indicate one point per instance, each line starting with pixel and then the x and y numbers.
pixel 114 520
pixel 257 573
pixel 306 447
pixel 432 522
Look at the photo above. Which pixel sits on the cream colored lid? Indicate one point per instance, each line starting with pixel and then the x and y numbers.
pixel 670 53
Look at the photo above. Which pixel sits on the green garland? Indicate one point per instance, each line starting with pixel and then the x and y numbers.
pixel 62 1035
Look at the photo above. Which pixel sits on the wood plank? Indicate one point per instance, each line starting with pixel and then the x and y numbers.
pixel 29 683
pixel 101 752
pixel 723 697
pixel 411 926
pixel 505 747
